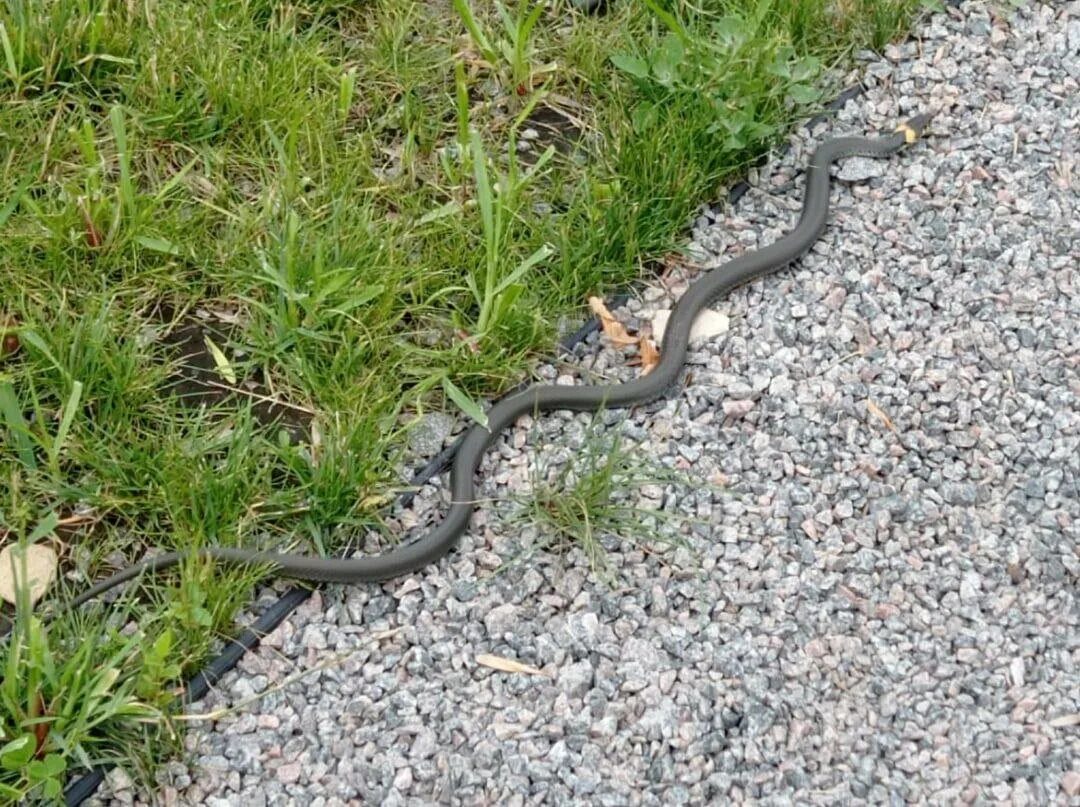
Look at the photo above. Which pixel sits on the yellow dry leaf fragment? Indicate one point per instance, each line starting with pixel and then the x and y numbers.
pixel 221 361
pixel 650 356
pixel 375 501
pixel 879 413
pixel 612 328
pixel 506 665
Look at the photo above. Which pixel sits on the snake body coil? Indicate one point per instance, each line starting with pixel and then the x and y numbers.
pixel 411 556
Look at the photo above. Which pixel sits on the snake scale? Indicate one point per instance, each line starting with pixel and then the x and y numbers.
pixel 413 555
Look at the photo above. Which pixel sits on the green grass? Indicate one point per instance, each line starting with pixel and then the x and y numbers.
pixel 592 500
pixel 341 190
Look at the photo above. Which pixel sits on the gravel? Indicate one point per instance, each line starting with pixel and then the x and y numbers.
pixel 876 600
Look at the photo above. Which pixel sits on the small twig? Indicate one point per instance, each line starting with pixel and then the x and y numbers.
pixel 838 362
pixel 257 396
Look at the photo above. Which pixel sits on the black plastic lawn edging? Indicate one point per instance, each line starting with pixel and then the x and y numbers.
pixel 200 684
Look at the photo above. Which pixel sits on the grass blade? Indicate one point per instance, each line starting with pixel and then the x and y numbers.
pixel 485 195
pixel 346 93
pixel 158 245
pixel 66 419
pixel 461 98
pixel 9 59
pixel 13 202
pixel 669 20
pixel 44 528
pixel 464 11
pixel 16 425
pixel 464 402
pixel 127 188
pixel 32 338
pixel 540 255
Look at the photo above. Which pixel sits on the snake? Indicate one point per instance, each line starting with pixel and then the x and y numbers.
pixel 413 555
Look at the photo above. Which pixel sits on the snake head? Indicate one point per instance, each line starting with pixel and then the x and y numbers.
pixel 919 123
pixel 913 128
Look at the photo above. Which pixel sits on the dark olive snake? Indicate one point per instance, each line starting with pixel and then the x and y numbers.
pixel 413 555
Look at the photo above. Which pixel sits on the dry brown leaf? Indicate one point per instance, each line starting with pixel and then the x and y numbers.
pixel 41 730
pixel 879 413
pixel 40 570
pixel 650 356
pixel 506 665
pixel 9 338
pixel 469 341
pixel 612 328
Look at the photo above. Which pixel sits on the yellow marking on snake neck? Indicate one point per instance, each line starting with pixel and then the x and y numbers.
pixel 910 135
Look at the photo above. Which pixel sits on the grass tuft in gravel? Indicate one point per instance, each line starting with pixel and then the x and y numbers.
pixel 595 497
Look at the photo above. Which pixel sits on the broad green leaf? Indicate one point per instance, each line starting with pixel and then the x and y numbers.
pixel 44 528
pixel 54 764
pixel 781 62
pixel 163 644
pixel 729 31
pixel 665 65
pixel 635 66
pixel 673 49
pixel 43 770
pixel 15 754
pixel 803 94
pixel 733 124
pixel 805 68
pixel 332 282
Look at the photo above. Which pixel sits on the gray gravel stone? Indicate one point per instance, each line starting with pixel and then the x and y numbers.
pixel 430 434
